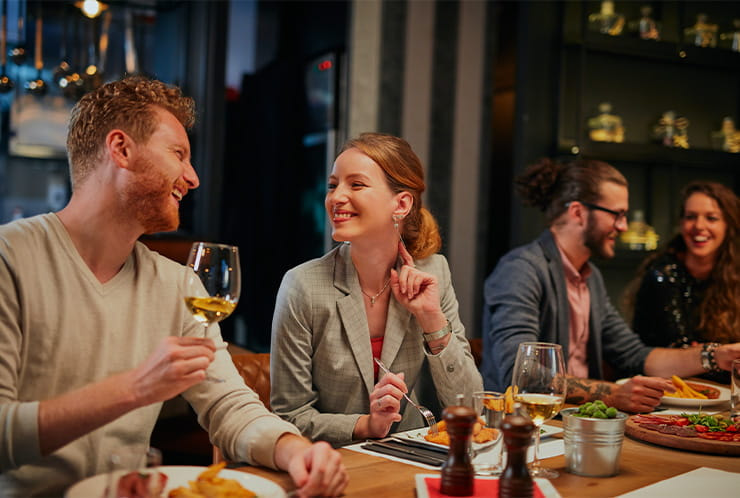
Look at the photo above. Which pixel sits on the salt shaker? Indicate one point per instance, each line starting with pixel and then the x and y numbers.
pixel 457 472
pixel 515 481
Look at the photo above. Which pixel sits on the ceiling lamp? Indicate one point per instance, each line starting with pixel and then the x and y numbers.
pixel 91 8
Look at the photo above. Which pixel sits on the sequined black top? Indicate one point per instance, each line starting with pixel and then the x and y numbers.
pixel 667 307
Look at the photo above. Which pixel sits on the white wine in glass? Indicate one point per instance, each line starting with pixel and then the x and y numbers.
pixel 540 387
pixel 208 310
pixel 215 297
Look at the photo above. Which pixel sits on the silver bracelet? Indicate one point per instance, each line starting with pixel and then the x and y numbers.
pixel 708 361
pixel 434 336
pixel 435 349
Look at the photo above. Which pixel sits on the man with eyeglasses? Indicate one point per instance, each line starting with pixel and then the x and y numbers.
pixel 549 291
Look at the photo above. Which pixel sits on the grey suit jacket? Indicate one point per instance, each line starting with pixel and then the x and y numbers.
pixel 321 368
pixel 526 299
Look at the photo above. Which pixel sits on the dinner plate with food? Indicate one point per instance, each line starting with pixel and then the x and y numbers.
pixel 482 435
pixel 690 394
pixel 179 482
pixel 690 431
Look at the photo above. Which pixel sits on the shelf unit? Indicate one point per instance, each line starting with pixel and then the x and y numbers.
pixel 642 79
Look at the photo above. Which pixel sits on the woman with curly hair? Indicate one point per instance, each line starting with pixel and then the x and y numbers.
pixel 689 292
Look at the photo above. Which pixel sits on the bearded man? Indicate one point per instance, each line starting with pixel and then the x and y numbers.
pixel 549 291
pixel 94 332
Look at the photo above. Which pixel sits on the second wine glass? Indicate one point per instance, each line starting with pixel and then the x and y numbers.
pixel 212 290
pixel 539 385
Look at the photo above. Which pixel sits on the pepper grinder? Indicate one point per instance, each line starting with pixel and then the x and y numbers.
pixel 457 472
pixel 515 481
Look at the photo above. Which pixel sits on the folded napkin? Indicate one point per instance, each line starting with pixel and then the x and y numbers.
pixel 428 486
pixel 698 482
pixel 548 448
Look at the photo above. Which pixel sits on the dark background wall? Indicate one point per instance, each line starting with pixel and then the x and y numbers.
pixel 273 183
pixel 545 72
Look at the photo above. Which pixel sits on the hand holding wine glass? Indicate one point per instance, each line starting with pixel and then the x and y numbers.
pixel 217 268
pixel 540 387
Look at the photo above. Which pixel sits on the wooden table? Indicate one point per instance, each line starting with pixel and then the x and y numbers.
pixel 641 464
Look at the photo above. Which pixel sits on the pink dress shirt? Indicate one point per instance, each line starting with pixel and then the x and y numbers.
pixel 579 300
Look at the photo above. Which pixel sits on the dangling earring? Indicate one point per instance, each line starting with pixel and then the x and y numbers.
pixel 396 219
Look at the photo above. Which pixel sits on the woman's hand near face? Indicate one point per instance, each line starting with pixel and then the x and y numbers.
pixel 416 290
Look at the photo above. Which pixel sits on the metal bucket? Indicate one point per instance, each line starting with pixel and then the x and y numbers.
pixel 592 445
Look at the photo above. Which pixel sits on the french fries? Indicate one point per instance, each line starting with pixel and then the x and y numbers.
pixel 683 390
pixel 209 485
pixel 494 404
pixel 481 433
pixel 509 399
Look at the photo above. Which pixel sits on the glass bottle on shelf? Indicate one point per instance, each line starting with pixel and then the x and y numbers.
pixel 732 38
pixel 727 138
pixel 672 130
pixel 607 21
pixel 639 235
pixel 701 34
pixel 646 25
pixel 606 127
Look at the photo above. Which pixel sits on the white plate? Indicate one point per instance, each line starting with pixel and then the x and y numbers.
pixel 546 487
pixel 724 396
pixel 418 435
pixel 549 430
pixel 177 476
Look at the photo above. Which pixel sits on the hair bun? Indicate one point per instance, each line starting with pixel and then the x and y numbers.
pixel 427 240
pixel 537 184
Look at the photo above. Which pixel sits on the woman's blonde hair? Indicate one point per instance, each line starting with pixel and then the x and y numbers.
pixel 404 173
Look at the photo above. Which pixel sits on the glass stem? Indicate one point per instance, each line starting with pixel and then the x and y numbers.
pixel 536 460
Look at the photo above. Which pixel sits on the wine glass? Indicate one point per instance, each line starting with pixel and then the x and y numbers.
pixel 212 289
pixel 539 385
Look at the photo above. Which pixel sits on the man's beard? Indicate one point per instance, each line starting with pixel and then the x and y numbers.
pixel 596 241
pixel 148 199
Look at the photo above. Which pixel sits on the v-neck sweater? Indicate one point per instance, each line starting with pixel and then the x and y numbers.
pixel 61 329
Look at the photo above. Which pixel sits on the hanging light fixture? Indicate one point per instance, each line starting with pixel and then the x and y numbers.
pixel 91 8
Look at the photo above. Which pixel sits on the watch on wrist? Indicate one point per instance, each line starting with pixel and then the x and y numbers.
pixel 434 336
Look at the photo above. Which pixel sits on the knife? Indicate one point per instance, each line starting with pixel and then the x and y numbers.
pixel 415 455
pixel 419 444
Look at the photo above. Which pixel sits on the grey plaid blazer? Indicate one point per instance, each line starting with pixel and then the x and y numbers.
pixel 321 367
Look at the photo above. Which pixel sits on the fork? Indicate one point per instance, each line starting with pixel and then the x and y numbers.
pixel 426 412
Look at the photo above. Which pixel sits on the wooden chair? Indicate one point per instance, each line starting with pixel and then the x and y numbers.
pixel 255 370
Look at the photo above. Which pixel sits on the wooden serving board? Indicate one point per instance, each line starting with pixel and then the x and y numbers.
pixel 697 444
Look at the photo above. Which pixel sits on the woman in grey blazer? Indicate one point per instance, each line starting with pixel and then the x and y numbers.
pixel 372 296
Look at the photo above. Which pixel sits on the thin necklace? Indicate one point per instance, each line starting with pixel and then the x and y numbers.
pixel 376 296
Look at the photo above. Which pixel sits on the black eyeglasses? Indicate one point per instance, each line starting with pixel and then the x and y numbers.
pixel 618 215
